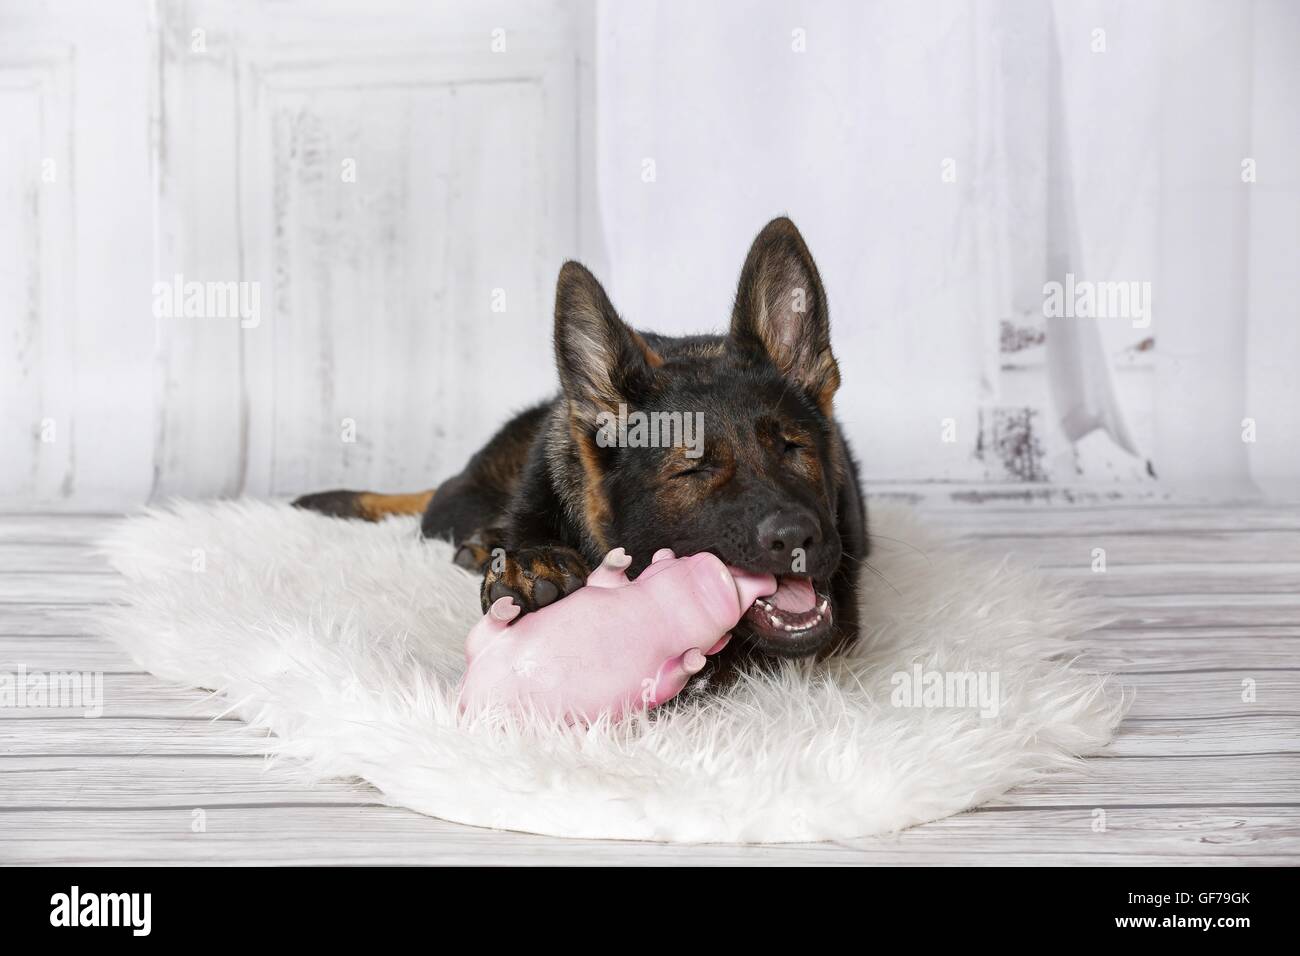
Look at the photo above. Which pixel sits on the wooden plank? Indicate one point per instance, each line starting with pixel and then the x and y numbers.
pixel 1213 694
pixel 64 510
pixel 81 530
pixel 127 736
pixel 1117 652
pixel 385 835
pixel 1081 523
pixel 72 588
pixel 1034 497
pixel 55 559
pixel 1202 611
pixel 1120 504
pixel 1175 635
pixel 959 503
pixel 1131 834
pixel 33 620
pixel 65 653
pixel 1164 780
pixel 165 781
pixel 1202 580
pixel 1216 547
pixel 133 695
pixel 1215 736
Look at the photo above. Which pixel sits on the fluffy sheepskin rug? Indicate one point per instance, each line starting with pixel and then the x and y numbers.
pixel 345 640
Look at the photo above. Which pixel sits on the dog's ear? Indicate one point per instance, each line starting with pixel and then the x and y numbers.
pixel 602 361
pixel 781 311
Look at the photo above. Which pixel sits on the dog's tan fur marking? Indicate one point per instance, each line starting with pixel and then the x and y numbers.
pixel 375 507
pixel 652 358
pixel 594 502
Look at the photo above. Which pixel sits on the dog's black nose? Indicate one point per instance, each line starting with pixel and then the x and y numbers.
pixel 781 533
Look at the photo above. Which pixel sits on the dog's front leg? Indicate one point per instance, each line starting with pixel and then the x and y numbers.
pixel 533 576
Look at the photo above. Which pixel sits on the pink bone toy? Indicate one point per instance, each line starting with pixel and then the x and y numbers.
pixel 613 645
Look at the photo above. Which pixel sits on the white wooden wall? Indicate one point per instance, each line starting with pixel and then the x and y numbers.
pixel 844 114
pixel 76 251
pixel 400 179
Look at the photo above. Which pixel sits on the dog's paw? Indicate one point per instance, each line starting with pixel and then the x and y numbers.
pixel 475 552
pixel 534 577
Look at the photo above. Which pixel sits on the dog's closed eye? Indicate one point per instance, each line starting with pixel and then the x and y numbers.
pixel 702 471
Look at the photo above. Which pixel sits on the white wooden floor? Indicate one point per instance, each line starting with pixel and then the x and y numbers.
pixel 1205 598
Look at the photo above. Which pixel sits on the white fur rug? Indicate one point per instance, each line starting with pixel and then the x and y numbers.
pixel 345 640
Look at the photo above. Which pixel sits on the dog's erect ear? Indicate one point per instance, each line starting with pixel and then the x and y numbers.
pixel 601 360
pixel 781 311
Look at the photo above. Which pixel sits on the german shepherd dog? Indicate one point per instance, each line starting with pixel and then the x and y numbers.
pixel 771 488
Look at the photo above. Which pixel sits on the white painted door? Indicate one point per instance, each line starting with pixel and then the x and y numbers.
pixel 393 184
pixel 76 253
pixel 398 180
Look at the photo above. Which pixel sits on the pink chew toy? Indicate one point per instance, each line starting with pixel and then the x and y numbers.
pixel 612 646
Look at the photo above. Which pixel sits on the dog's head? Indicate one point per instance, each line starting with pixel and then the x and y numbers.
pixel 716 443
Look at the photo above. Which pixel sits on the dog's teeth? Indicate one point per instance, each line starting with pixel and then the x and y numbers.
pixel 803 620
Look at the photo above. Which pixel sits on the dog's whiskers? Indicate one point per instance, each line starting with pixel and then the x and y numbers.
pixel 908 544
pixel 874 570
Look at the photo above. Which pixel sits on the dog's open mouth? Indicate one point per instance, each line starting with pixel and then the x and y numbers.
pixel 795 616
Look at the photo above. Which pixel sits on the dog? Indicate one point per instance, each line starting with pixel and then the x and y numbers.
pixel 768 483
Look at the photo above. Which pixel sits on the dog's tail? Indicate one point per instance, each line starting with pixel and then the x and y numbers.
pixel 365 505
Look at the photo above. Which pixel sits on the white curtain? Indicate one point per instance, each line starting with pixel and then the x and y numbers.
pixel 945 160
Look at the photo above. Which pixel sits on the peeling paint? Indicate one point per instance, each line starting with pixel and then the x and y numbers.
pixel 1017 338
pixel 1008 437
pixel 1046 496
